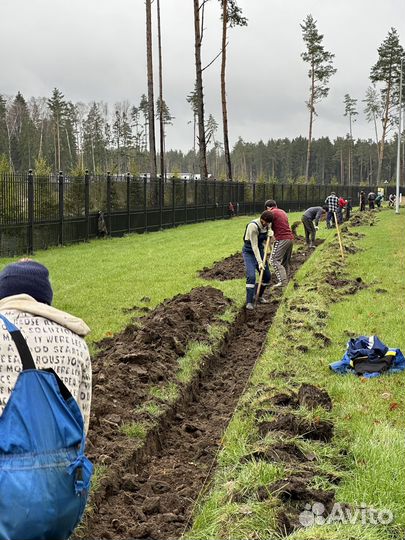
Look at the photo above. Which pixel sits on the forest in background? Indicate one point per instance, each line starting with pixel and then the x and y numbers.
pixel 100 139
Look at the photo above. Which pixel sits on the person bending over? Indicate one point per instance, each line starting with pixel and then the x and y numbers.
pixel 310 220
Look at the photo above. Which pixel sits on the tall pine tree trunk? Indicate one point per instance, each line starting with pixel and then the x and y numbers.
pixel 223 91
pixel 311 118
pixel 384 132
pixel 200 95
pixel 151 108
pixel 161 122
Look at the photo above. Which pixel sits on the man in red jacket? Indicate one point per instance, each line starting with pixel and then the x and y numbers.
pixel 283 245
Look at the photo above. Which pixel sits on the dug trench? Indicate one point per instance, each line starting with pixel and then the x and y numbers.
pixel 148 489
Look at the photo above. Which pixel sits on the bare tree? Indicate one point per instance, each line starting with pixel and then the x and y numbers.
pixel 161 119
pixel 198 36
pixel 151 112
pixel 231 16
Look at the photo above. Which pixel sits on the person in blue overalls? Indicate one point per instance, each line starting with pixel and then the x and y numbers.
pixel 255 237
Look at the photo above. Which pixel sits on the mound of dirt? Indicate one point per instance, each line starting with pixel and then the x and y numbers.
pixel 233 267
pixel 230 268
pixel 362 218
pixel 292 425
pixel 144 355
pixel 311 396
pixel 346 286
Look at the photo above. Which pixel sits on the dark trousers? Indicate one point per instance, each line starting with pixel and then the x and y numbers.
pixel 309 230
pixel 251 266
pixel 330 219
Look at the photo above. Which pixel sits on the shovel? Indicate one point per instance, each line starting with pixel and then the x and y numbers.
pixel 266 250
pixel 339 237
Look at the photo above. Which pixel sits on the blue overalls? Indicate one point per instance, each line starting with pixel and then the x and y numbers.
pixel 44 474
pixel 251 265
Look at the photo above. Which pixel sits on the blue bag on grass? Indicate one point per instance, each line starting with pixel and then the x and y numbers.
pixel 44 474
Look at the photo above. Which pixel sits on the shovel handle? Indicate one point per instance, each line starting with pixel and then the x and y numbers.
pixel 266 249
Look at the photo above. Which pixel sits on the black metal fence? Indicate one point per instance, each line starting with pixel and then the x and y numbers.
pixel 38 212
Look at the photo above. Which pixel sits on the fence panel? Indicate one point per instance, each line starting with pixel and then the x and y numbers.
pixel 39 212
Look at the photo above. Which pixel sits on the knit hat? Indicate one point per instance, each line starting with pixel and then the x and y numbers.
pixel 26 277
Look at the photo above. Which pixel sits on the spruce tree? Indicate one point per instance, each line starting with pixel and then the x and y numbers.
pixel 58 107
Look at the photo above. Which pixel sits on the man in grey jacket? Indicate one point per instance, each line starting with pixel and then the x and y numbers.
pixel 55 338
pixel 312 215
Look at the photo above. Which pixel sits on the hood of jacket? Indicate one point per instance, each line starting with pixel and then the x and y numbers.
pixel 27 304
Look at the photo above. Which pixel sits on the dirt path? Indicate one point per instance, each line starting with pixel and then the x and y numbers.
pixel 154 499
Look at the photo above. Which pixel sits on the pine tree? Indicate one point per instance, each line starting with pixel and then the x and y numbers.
pixel 320 71
pixel 231 16
pixel 351 112
pixel 151 112
pixel 198 37
pixel 386 71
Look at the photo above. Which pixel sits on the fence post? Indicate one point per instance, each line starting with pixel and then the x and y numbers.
pixel 161 202
pixel 196 199
pixel 254 198
pixel 215 199
pixel 87 202
pixel 61 207
pixel 128 202
pixel 109 202
pixel 30 230
pixel 185 199
pixel 145 203
pixel 205 198
pixel 173 202
pixel 223 195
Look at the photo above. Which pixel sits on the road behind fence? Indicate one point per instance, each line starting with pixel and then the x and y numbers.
pixel 40 212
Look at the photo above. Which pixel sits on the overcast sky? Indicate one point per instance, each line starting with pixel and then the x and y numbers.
pixel 95 50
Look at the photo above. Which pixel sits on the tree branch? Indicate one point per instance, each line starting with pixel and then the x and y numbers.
pixel 212 61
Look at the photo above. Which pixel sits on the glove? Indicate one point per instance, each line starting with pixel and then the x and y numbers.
pixel 316 227
pixel 261 266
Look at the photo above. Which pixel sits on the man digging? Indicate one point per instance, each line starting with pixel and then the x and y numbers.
pixel 283 245
pixel 310 220
pixel 255 237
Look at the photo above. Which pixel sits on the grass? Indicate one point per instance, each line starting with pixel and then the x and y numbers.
pixel 367 451
pixel 134 430
pixel 167 393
